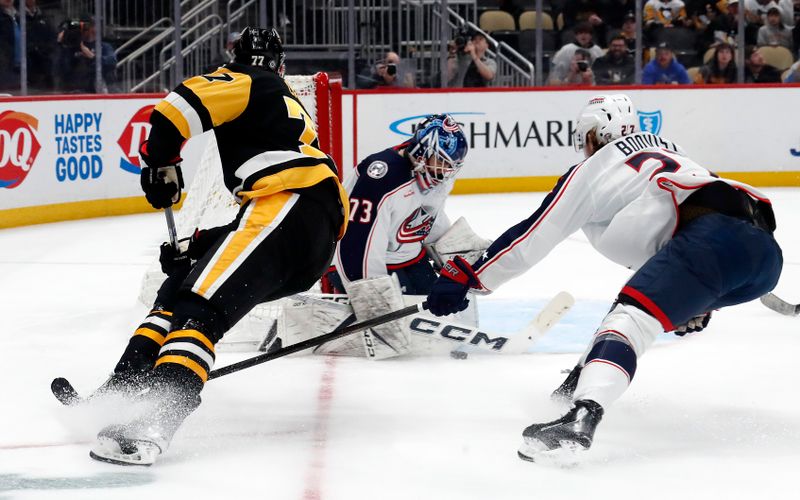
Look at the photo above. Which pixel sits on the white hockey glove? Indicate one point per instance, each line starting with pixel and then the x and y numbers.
pixel 374 297
pixel 695 324
pixel 460 240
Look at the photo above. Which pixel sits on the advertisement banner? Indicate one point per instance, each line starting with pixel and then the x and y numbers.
pixel 60 152
pixel 517 134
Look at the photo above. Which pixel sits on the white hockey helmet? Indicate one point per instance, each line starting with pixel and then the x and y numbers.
pixel 610 116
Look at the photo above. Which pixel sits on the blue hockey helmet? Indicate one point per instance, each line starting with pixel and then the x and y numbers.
pixel 437 150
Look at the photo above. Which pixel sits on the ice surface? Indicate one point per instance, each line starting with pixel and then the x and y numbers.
pixel 715 415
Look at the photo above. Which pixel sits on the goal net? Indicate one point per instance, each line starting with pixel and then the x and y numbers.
pixel 208 203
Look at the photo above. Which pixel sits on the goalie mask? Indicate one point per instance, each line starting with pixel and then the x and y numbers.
pixel 261 48
pixel 609 116
pixel 437 150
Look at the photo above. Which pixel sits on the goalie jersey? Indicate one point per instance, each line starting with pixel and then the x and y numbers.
pixel 390 217
pixel 267 141
pixel 625 198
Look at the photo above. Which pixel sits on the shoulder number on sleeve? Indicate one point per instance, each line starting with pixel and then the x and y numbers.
pixel 363 206
pixel 309 135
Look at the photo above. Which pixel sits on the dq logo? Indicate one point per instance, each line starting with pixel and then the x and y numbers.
pixel 650 121
pixel 134 133
pixel 18 147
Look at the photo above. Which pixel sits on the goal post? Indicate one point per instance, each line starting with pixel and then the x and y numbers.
pixel 208 203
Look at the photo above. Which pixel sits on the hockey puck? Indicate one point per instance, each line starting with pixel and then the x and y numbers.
pixel 458 355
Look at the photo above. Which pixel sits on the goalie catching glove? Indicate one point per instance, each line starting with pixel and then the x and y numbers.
pixel 449 292
pixel 161 184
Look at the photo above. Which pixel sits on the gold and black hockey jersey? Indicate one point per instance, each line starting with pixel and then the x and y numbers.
pixel 267 140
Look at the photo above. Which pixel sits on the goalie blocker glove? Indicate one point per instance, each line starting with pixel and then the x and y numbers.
pixel 449 292
pixel 161 184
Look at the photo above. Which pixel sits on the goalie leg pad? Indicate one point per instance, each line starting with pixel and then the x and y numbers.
pixel 374 297
pixel 623 337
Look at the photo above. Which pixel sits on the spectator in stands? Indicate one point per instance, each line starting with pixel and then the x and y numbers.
pixel 629 31
pixel 579 71
pixel 76 58
pixel 471 66
pixel 702 12
pixel 664 69
pixel 660 14
pixel 388 72
pixel 721 68
pixel 722 28
pixel 9 45
pixel 40 44
pixel 756 11
pixel 618 11
pixel 591 12
pixel 617 67
pixel 757 70
pixel 793 75
pixel 773 32
pixel 755 14
pixel 563 60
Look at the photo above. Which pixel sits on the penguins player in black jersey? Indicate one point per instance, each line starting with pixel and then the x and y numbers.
pixel 292 212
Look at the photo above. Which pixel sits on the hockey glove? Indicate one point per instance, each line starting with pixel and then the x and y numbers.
pixel 449 292
pixel 174 260
pixel 204 239
pixel 161 184
pixel 695 324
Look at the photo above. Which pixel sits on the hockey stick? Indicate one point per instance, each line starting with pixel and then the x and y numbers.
pixel 346 328
pixel 65 392
pixel 779 305
pixel 173 233
pixel 521 342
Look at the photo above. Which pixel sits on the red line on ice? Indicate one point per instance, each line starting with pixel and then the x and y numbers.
pixel 316 467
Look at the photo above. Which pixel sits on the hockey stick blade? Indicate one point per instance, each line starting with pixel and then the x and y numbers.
pixel 64 392
pixel 779 305
pixel 544 321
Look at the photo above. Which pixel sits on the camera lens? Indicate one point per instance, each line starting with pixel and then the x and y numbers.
pixel 391 69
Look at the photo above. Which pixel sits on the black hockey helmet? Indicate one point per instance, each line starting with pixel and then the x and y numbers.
pixel 261 48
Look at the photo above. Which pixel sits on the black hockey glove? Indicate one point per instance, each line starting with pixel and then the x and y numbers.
pixel 695 324
pixel 449 292
pixel 161 184
pixel 174 260
pixel 203 239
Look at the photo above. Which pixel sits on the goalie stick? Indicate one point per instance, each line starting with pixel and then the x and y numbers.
pixel 779 305
pixel 64 391
pixel 521 342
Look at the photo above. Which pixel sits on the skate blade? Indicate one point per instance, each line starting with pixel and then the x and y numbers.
pixel 568 454
pixel 108 450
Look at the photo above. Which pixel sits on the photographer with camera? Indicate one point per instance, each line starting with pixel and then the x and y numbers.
pixel 388 72
pixel 468 64
pixel 579 71
pixel 75 61
pixel 564 68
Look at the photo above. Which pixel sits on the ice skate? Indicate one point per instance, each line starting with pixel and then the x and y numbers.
pixel 128 445
pixel 565 391
pixel 562 440
pixel 142 440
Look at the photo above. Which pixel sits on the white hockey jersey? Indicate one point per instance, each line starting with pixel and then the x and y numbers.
pixel 390 218
pixel 625 198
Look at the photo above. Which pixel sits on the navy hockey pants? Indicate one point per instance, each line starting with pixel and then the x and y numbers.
pixel 712 262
